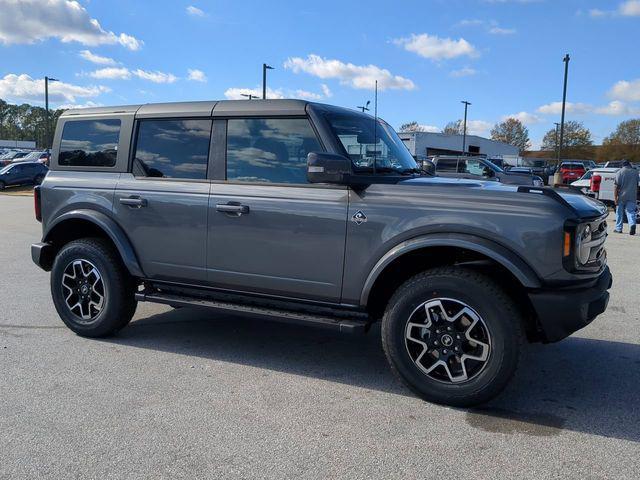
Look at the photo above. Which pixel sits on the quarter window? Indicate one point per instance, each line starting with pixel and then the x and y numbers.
pixel 172 149
pixel 272 150
pixel 90 143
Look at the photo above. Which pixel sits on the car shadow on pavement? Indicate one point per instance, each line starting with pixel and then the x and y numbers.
pixel 579 384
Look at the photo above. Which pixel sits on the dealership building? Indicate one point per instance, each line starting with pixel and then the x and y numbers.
pixel 427 144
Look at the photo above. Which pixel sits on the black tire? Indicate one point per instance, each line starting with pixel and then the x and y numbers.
pixel 117 288
pixel 498 314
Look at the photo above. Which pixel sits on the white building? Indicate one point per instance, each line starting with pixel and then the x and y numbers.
pixel 426 144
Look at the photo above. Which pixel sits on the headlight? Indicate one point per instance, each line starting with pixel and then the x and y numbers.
pixel 583 248
pixel 584 245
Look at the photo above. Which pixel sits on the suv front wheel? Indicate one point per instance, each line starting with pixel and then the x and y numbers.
pixel 91 289
pixel 452 336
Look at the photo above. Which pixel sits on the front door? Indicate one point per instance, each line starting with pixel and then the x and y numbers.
pixel 162 204
pixel 269 230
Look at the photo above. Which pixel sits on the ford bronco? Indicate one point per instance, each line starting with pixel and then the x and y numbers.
pixel 312 213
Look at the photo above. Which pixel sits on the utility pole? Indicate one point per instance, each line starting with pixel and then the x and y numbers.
pixel 564 101
pixel 47 140
pixel 265 67
pixel 464 127
pixel 556 142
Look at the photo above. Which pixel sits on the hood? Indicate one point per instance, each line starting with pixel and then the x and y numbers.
pixel 581 205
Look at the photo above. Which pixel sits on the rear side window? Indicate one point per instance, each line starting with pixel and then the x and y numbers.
pixel 172 149
pixel 89 143
pixel 447 165
pixel 271 150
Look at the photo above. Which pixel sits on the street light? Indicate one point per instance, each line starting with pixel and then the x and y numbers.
pixel 564 101
pixel 265 67
pixel 365 108
pixel 464 127
pixel 556 143
pixel 46 107
pixel 250 96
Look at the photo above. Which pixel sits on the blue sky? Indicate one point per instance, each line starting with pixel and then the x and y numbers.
pixel 505 56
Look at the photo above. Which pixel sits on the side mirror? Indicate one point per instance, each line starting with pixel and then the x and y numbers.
pixel 429 167
pixel 325 167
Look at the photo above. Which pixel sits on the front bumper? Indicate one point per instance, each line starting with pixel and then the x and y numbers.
pixel 42 255
pixel 565 310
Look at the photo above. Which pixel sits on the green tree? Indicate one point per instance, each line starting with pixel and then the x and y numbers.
pixel 577 141
pixel 513 132
pixel 623 143
pixel 453 128
pixel 26 122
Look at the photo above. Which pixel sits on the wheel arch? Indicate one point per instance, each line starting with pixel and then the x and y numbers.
pixel 86 223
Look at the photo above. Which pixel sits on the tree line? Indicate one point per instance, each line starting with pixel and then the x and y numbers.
pixel 622 143
pixel 27 122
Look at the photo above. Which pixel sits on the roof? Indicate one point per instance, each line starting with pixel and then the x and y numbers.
pixel 205 108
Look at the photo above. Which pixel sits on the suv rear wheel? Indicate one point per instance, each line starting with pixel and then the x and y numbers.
pixel 91 289
pixel 452 336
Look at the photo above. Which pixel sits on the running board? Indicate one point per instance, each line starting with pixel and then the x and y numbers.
pixel 340 324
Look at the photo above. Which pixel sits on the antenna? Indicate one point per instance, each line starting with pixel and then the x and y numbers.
pixel 375 128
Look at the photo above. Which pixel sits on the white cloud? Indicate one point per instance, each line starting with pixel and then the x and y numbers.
pixel 111 73
pixel 236 93
pixel 502 31
pixel 555 108
pixel 617 108
pixel 596 12
pixel 24 88
pixel 356 76
pixel 195 11
pixel 525 117
pixel 28 21
pixel 307 95
pixel 630 8
pixel 196 75
pixel 470 22
pixel 478 127
pixel 624 90
pixel 326 91
pixel 155 77
pixel 463 72
pixel 89 104
pixel 436 48
pixel 93 58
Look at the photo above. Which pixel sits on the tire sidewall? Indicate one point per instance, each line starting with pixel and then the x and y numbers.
pixel 103 323
pixel 504 339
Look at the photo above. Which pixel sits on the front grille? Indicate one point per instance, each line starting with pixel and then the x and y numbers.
pixel 597 251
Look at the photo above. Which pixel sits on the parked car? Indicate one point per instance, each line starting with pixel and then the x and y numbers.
pixel 41 156
pixel 583 184
pixel 7 158
pixel 22 173
pixel 479 168
pixel 603 184
pixel 571 171
pixel 315 214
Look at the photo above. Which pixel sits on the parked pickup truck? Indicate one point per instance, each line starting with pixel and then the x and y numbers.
pixel 602 185
pixel 478 168
pixel 314 214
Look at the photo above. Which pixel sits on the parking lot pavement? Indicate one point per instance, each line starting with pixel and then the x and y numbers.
pixel 187 394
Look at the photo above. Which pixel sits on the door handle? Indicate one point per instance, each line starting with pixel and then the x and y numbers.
pixel 136 202
pixel 232 208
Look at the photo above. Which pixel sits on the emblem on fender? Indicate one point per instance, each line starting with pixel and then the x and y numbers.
pixel 359 218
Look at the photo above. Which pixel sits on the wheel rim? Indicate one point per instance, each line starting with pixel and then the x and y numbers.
pixel 83 290
pixel 448 340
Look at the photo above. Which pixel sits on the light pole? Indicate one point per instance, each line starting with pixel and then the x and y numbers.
pixel 46 107
pixel 250 96
pixel 265 67
pixel 556 142
pixel 564 101
pixel 464 126
pixel 365 108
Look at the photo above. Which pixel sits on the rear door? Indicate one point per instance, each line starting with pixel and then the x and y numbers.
pixel 269 230
pixel 162 201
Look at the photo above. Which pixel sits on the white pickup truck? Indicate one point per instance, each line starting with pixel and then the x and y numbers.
pixel 599 183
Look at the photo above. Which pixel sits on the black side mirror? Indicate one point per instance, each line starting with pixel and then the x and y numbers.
pixel 429 167
pixel 325 167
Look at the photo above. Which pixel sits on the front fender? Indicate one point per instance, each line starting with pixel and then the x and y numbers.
pixel 505 257
pixel 109 226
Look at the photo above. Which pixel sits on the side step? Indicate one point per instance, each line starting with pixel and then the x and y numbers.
pixel 341 324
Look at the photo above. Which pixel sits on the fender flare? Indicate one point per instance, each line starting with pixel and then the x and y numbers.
pixel 110 227
pixel 500 254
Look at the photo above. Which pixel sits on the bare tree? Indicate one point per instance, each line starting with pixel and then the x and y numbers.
pixel 513 132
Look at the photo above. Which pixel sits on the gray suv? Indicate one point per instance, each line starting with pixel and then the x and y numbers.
pixel 316 214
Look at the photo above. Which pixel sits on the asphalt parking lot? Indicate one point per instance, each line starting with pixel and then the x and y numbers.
pixel 187 394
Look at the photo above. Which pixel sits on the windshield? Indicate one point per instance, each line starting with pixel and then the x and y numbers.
pixel 372 147
pixel 494 167
pixel 5 169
